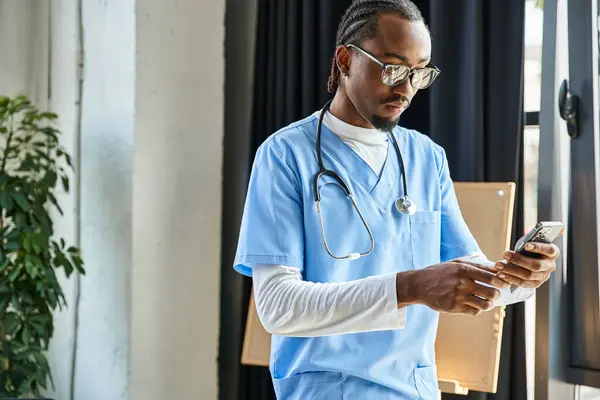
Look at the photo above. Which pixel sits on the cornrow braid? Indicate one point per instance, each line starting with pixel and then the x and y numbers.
pixel 359 23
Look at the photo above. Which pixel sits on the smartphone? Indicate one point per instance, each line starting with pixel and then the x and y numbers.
pixel 543 232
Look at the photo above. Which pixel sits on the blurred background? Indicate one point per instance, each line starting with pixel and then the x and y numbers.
pixel 162 104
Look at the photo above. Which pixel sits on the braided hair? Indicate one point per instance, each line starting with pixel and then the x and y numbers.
pixel 359 22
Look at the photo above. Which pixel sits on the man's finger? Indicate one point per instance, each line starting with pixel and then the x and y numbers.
pixel 521 282
pixel 479 304
pixel 477 274
pixel 511 279
pixel 549 250
pixel 486 292
pixel 468 310
pixel 484 267
pixel 532 264
pixel 520 272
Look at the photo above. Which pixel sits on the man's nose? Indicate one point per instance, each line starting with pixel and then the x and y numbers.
pixel 405 89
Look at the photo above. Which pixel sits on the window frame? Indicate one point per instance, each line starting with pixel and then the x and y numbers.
pixel 582 262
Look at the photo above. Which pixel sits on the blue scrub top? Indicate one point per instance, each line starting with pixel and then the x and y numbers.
pixel 280 225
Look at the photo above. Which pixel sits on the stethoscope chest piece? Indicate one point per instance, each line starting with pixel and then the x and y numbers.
pixel 405 206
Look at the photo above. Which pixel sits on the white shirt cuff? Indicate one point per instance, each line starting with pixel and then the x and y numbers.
pixel 397 316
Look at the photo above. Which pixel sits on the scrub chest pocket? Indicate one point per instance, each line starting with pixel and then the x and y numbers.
pixel 425 237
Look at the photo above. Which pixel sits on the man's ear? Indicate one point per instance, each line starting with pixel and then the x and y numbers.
pixel 342 59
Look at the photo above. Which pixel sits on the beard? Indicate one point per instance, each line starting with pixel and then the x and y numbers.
pixel 384 124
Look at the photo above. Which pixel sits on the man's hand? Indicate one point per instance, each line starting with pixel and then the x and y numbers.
pixel 452 287
pixel 528 272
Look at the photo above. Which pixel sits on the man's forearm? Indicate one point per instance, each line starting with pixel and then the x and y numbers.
pixel 290 306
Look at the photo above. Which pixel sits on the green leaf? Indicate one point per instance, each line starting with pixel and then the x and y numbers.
pixel 14 301
pixel 4 288
pixel 50 178
pixel 12 234
pixel 69 160
pixel 40 242
pixel 26 297
pixel 31 265
pixel 41 319
pixel 14 274
pixel 4 265
pixel 21 221
pixel 26 335
pixel 4 303
pixel 6 201
pixel 22 201
pixel 11 323
pixel 48 115
pixel 42 382
pixel 78 264
pixel 27 243
pixel 55 202
pixel 52 300
pixel 39 328
pixel 13 244
pixel 68 267
pixel 51 175
pixel 65 182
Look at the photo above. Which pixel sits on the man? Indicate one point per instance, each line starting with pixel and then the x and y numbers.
pixel 352 231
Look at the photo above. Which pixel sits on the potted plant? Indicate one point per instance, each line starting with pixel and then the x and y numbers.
pixel 32 162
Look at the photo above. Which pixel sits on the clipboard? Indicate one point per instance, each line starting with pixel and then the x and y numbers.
pixel 467 348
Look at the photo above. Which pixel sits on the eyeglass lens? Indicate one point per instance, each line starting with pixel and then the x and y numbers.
pixel 397 74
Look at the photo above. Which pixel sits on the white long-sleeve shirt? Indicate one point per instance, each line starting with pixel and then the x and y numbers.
pixel 288 305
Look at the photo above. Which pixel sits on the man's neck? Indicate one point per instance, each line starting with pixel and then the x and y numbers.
pixel 342 108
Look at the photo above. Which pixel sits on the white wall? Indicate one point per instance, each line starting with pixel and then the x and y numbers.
pixel 63 99
pixel 24 49
pixel 146 205
pixel 177 199
pixel 107 135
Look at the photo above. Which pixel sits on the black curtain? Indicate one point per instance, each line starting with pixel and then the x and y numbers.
pixel 295 45
pixel 474 110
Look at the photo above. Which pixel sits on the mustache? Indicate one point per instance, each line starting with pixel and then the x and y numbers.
pixel 397 99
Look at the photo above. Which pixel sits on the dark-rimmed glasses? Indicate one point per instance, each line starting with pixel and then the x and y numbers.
pixel 397 74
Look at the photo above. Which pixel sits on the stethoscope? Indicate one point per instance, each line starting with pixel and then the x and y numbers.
pixel 403 204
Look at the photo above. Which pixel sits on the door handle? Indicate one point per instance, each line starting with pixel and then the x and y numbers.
pixel 568 107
